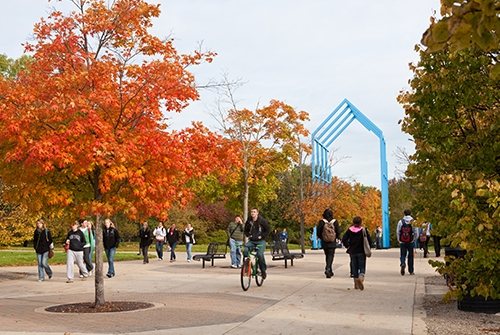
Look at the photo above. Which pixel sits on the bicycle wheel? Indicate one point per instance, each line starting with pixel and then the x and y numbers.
pixel 246 274
pixel 258 275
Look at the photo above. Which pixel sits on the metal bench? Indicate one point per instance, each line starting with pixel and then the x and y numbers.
pixel 212 253
pixel 285 254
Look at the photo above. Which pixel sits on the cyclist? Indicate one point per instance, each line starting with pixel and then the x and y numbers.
pixel 257 229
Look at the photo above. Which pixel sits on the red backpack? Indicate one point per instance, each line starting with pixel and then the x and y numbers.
pixel 406 233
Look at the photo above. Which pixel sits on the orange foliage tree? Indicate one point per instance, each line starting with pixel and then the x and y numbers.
pixel 82 128
pixel 345 200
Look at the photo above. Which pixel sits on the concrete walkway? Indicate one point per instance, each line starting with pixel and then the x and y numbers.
pixel 192 300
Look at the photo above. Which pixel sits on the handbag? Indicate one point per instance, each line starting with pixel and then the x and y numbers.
pixel 51 246
pixel 366 245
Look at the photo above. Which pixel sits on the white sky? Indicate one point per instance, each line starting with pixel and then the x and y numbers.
pixel 310 54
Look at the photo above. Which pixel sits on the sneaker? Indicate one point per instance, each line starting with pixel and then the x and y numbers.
pixel 138 254
pixel 264 275
pixel 81 276
pixel 412 273
pixel 402 270
pixel 234 266
pixel 50 276
pixel 189 261
pixel 40 280
pixel 69 281
pixel 109 275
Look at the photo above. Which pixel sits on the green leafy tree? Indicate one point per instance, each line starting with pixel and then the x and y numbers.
pixel 465 24
pixel 452 112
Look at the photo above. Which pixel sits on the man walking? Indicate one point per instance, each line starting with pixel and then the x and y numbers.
pixel 405 235
pixel 235 233
pixel 257 229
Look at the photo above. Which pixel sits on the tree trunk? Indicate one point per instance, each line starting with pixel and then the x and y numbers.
pixel 99 250
pixel 301 202
pixel 245 196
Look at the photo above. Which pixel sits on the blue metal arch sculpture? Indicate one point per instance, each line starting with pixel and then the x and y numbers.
pixel 327 132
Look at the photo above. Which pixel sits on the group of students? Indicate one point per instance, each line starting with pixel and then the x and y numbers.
pixel 79 247
pixel 161 236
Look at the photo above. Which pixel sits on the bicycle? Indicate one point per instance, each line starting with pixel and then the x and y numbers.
pixel 249 269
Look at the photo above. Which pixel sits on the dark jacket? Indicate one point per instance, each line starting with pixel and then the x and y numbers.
pixel 110 238
pixel 172 236
pixel 328 245
pixel 353 241
pixel 258 230
pixel 146 237
pixel 76 240
pixel 42 240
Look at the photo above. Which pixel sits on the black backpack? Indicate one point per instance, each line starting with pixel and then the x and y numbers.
pixel 406 233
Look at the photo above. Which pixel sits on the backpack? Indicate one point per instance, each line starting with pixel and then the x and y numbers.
pixel 329 234
pixel 406 233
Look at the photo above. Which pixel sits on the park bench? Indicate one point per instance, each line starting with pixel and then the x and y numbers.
pixel 286 255
pixel 212 253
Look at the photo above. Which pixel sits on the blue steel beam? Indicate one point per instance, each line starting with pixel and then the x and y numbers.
pixel 334 129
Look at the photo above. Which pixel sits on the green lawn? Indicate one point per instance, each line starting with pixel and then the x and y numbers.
pixel 18 256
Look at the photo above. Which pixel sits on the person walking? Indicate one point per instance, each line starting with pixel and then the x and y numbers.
pixel 424 238
pixel 328 232
pixel 406 237
pixel 235 232
pixel 110 239
pixel 353 240
pixel 146 240
pixel 75 241
pixel 436 240
pixel 257 229
pixel 89 236
pixel 160 234
pixel 189 240
pixel 276 239
pixel 42 243
pixel 378 237
pixel 172 239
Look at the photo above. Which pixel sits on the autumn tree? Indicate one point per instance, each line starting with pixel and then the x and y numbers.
pixel 82 129
pixel 452 112
pixel 268 139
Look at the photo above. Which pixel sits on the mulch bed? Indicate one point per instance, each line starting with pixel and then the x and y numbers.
pixel 107 307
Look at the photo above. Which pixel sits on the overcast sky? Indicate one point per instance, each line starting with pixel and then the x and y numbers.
pixel 311 54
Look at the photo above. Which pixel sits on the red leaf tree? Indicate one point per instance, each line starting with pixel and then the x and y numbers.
pixel 82 129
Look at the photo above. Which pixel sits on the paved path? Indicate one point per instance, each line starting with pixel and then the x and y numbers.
pixel 192 300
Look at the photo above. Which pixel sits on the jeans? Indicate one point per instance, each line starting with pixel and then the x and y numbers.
pixel 189 247
pixel 260 246
pixel 145 253
pixel 406 249
pixel 110 255
pixel 87 259
pixel 235 252
pixel 329 255
pixel 159 249
pixel 358 265
pixel 172 251
pixel 43 265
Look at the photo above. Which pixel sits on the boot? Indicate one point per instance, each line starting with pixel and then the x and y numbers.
pixel 361 279
pixel 356 283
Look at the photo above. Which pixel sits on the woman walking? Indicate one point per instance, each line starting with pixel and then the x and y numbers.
pixel 328 232
pixel 42 242
pixel 75 241
pixel 353 240
pixel 146 240
pixel 110 239
pixel 172 239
